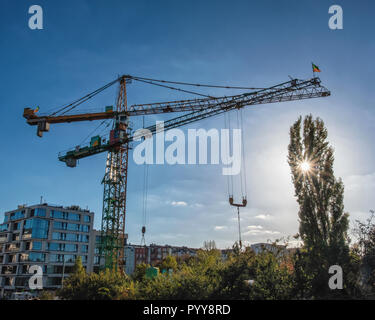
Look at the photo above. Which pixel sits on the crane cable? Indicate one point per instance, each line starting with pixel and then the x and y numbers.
pixel 145 197
pixel 227 124
pixel 197 84
pixel 76 103
pixel 66 108
pixel 177 89
pixel 243 153
pixel 91 133
pixel 243 156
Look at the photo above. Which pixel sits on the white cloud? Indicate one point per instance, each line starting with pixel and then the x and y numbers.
pixel 263 216
pixel 260 232
pixel 220 227
pixel 254 227
pixel 179 203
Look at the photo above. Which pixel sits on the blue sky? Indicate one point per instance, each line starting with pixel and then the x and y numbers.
pixel 85 44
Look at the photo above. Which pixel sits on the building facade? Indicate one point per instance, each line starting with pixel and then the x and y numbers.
pixel 153 254
pixel 50 237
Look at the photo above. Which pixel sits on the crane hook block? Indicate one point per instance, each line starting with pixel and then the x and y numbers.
pixel 143 230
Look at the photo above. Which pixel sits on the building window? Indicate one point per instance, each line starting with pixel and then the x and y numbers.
pixel 74 217
pixel 38 212
pixel 83 238
pixel 17 215
pixel 85 228
pixel 84 248
pixel 69 258
pixel 40 228
pixel 37 245
pixel 58 214
pixel 33 256
pixel 55 246
pixel 86 218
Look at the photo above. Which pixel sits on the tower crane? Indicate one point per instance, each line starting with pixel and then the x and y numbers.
pixel 117 145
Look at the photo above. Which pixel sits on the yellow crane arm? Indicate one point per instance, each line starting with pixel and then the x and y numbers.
pixel 33 119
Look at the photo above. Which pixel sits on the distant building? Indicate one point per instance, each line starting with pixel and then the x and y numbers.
pixel 270 247
pixel 153 254
pixel 51 237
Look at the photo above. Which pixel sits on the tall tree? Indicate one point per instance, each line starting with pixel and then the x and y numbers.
pixel 323 222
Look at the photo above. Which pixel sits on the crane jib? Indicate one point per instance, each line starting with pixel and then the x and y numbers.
pixel 287 91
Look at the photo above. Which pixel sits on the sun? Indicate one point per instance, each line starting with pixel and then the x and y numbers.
pixel 305 166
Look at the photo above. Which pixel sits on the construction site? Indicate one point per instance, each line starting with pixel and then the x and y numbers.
pixel 187 150
pixel 117 143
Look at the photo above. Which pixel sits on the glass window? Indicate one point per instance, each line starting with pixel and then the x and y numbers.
pixel 56 257
pixel 59 225
pixel 57 236
pixel 84 248
pixel 84 259
pixel 40 212
pixel 71 237
pixel 17 215
pixel 83 238
pixel 62 257
pixel 37 245
pixel 85 228
pixel 55 246
pixel 36 256
pixel 57 214
pixel 71 247
pixel 74 217
pixel 87 218
pixel 70 257
pixel 4 227
pixel 40 228
pixel 73 227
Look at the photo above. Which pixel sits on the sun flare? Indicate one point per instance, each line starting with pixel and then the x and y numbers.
pixel 305 166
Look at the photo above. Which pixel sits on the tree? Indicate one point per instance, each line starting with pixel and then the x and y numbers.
pixel 209 245
pixel 167 263
pixel 139 273
pixel 73 286
pixel 365 249
pixel 106 285
pixel 323 222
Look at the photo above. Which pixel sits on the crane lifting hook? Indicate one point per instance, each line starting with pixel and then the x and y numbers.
pixel 238 205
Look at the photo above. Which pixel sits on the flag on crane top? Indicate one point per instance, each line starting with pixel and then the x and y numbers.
pixel 315 68
pixel 36 109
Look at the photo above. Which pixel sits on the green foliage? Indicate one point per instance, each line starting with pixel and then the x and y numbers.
pixel 168 263
pixel 196 278
pixel 255 276
pixel 105 285
pixel 323 222
pixel 139 273
pixel 47 295
pixel 364 250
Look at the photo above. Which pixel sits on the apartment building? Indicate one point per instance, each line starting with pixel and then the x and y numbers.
pixel 152 254
pixel 48 236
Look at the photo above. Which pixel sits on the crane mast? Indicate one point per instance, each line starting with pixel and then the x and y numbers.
pixel 117 146
pixel 114 195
